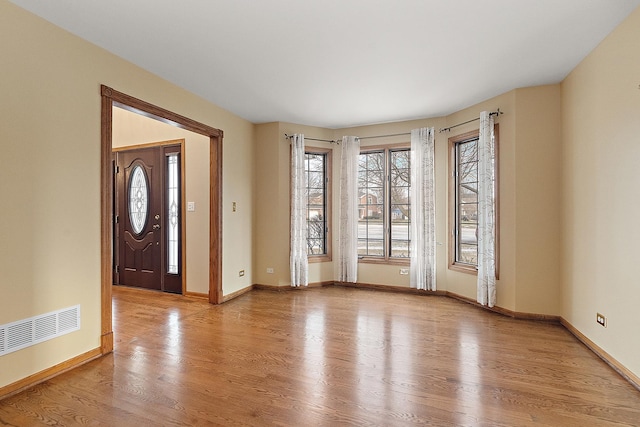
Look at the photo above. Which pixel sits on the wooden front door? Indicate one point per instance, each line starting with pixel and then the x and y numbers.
pixel 142 217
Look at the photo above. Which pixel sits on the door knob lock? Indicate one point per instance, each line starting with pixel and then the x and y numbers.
pixel 156 226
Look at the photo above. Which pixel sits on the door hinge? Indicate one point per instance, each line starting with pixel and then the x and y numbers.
pixel 117 219
pixel 116 169
pixel 117 269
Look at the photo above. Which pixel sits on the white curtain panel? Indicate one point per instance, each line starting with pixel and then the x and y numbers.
pixel 348 257
pixel 423 215
pixel 299 263
pixel 486 212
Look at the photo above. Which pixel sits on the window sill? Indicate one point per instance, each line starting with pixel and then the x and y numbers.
pixel 318 258
pixel 464 268
pixel 384 261
pixel 470 269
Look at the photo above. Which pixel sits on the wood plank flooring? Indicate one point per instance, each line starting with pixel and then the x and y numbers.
pixel 329 357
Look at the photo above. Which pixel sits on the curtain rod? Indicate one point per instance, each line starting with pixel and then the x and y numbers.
pixel 447 129
pixel 332 141
pixel 385 136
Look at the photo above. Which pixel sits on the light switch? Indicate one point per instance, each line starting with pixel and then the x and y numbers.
pixel 191 206
pixel 234 207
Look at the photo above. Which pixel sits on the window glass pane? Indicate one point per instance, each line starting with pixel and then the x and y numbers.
pixel 468 213
pixel 468 173
pixel 400 169
pixel 315 199
pixel 374 230
pixel 316 162
pixel 466 201
pixel 316 246
pixel 401 179
pixel 383 195
pixel 315 173
pixel 468 254
pixel 468 151
pixel 400 214
pixel 315 179
pixel 376 247
pixel 468 193
pixel 468 233
pixel 370 238
pixel 370 247
pixel 400 159
pixel 375 178
pixel 400 248
pixel 138 199
pixel 399 195
pixel 370 203
pixel 362 230
pixel 173 214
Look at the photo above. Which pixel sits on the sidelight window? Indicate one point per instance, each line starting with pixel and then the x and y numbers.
pixel 173 213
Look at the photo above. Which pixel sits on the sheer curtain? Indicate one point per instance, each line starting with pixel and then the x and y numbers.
pixel 423 216
pixel 486 212
pixel 298 262
pixel 348 261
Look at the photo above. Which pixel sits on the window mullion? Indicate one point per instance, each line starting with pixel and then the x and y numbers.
pixel 387 205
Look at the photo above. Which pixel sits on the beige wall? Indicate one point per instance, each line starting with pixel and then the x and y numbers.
pixel 50 183
pixel 538 167
pixel 272 202
pixel 271 248
pixel 601 148
pixel 132 129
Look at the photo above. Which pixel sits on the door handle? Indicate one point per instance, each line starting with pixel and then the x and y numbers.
pixel 156 226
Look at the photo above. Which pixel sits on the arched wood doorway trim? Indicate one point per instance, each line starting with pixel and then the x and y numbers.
pixel 111 98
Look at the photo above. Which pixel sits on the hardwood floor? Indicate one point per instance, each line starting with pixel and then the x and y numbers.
pixel 329 356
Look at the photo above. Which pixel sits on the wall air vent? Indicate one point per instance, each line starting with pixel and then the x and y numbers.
pixel 25 333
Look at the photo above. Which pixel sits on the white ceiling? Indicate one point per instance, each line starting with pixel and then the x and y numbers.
pixel 341 63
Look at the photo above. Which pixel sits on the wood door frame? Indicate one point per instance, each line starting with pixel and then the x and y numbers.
pixel 183 223
pixel 111 98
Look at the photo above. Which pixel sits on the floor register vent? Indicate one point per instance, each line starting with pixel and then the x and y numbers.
pixel 24 333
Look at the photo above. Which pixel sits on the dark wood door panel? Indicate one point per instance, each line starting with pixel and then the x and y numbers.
pixel 140 191
pixel 142 207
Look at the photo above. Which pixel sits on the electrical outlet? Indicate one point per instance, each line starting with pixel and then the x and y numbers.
pixel 601 319
pixel 191 206
pixel 404 271
pixel 269 270
pixel 241 273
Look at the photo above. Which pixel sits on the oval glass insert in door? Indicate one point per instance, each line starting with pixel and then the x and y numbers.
pixel 138 199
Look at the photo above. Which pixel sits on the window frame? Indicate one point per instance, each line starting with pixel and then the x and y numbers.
pixel 327 153
pixel 453 226
pixel 386 259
